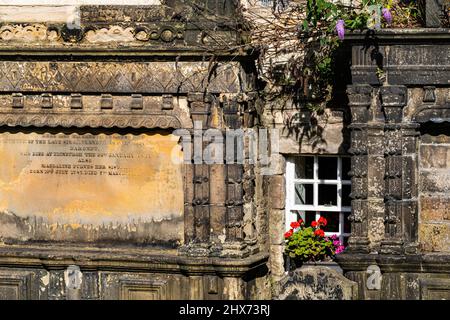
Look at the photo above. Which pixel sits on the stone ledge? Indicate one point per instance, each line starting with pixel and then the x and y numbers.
pixel 425 34
pixel 125 259
pixel 418 263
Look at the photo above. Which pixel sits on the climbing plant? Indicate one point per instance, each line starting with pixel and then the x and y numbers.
pixel 298 42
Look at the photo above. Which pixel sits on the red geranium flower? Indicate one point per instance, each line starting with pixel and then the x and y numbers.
pixel 319 233
pixel 288 234
pixel 322 221
pixel 301 222
pixel 314 224
pixel 295 225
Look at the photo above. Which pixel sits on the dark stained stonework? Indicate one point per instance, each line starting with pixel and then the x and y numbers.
pixel 153 69
pixel 399 159
pixel 316 283
pixel 136 70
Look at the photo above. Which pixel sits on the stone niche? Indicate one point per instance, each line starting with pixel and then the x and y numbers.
pixel 90 187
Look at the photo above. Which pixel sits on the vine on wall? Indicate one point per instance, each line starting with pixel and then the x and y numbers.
pixel 297 40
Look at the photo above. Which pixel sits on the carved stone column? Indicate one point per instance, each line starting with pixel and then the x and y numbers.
pixel 393 99
pixel 360 101
pixel 197 182
pixel 234 245
pixel 401 167
pixel 410 207
pixel 214 200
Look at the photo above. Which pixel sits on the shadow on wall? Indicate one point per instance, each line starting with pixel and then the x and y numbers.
pixel 310 121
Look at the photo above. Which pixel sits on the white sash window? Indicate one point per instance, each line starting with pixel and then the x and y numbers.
pixel 319 186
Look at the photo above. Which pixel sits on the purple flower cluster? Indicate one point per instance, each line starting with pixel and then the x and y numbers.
pixel 340 28
pixel 339 247
pixel 387 15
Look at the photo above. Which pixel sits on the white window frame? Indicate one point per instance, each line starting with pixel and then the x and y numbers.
pixel 291 181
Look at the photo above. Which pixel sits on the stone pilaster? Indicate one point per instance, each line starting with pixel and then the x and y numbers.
pixel 410 207
pixel 197 182
pixel 393 99
pixel 401 167
pixel 360 100
pixel 234 245
pixel 376 186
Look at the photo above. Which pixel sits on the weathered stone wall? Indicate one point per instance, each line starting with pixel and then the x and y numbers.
pixel 300 132
pixel 399 164
pixel 189 231
pixel 434 219
pixel 315 283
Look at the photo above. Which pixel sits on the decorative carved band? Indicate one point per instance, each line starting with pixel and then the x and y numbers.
pixel 91 121
pixel 118 77
pixel 143 34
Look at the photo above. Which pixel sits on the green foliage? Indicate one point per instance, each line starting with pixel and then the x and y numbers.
pixel 320 24
pixel 305 246
pixel 310 76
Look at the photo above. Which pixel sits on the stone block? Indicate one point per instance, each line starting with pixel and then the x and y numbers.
pixel 434 208
pixel 316 283
pixel 435 181
pixel 434 156
pixel 277 192
pixel 277 164
pixel 277 226
pixel 276 261
pixel 217 220
pixel 217 184
pixel 434 237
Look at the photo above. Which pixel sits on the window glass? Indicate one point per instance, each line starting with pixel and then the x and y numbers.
pixel 328 168
pixel 347 223
pixel 304 168
pixel 310 216
pixel 320 191
pixel 346 200
pixel 304 194
pixel 327 195
pixel 346 167
pixel 332 221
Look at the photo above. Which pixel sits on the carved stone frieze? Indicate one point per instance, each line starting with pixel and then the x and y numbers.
pixel 90 121
pixel 28 33
pixel 115 77
pixel 94 111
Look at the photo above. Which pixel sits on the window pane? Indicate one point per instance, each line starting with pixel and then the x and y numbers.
pixel 346 167
pixel 328 168
pixel 347 224
pixel 304 168
pixel 304 194
pixel 328 195
pixel 310 216
pixel 332 221
pixel 346 201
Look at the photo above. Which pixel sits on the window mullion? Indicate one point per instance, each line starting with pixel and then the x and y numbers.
pixel 290 192
pixel 316 179
pixel 341 227
pixel 339 186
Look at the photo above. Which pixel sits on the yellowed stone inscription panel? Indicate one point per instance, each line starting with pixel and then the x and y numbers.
pixel 90 188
